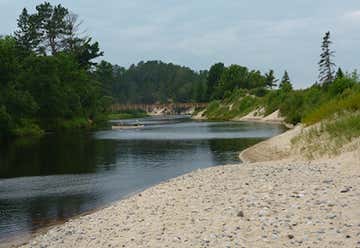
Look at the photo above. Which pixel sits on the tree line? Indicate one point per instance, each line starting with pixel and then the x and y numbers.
pixel 334 88
pixel 159 82
pixel 152 82
pixel 49 79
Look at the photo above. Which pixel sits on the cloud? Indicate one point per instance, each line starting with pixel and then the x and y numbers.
pixel 279 34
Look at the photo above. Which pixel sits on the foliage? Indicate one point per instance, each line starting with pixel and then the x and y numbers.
pixel 238 77
pixel 326 71
pixel 349 101
pixel 46 82
pixel 339 74
pixel 285 83
pixel 346 127
pixel 332 133
pixel 270 80
pixel 340 84
pixel 54 29
pixel 238 104
pixel 310 105
pixel 152 82
pixel 129 114
pixel 259 92
pixel 213 78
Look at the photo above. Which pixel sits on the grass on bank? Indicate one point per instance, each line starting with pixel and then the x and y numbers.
pixel 349 102
pixel 238 104
pixel 308 106
pixel 330 135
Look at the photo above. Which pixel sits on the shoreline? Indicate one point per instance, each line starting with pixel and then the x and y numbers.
pixel 13 241
pixel 21 239
pixel 185 210
pixel 24 239
pixel 253 116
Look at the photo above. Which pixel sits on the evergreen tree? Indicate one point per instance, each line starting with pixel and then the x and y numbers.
pixel 326 72
pixel 27 36
pixel 53 29
pixel 339 74
pixel 285 78
pixel 53 26
pixel 270 79
pixel 285 83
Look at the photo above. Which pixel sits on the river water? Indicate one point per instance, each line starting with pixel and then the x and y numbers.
pixel 62 175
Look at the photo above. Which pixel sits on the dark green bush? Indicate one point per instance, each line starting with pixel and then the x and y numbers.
pixel 340 85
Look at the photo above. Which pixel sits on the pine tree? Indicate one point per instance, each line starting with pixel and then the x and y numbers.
pixel 326 72
pixel 285 78
pixel 270 79
pixel 285 83
pixel 27 36
pixel 339 74
pixel 53 29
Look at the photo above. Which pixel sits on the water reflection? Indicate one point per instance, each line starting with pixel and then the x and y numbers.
pixel 69 153
pixel 59 176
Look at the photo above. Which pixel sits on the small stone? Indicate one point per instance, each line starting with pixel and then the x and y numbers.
pixel 240 214
pixel 290 236
pixel 345 190
pixel 328 181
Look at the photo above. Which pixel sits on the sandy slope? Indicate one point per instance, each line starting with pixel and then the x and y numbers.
pixel 276 148
pixel 288 203
pixel 199 116
pixel 258 116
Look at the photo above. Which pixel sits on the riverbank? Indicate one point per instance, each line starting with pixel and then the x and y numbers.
pixel 257 115
pixel 282 203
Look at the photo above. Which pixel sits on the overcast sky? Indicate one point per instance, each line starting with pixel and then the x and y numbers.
pixel 260 34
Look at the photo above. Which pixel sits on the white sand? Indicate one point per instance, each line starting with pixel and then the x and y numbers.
pixel 199 116
pixel 270 204
pixel 158 111
pixel 258 115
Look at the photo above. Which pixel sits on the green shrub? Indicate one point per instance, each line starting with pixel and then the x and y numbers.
pixel 347 127
pixel 272 101
pixel 27 127
pixel 349 103
pixel 259 92
pixel 340 85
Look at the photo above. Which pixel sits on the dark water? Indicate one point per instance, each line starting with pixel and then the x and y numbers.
pixel 59 176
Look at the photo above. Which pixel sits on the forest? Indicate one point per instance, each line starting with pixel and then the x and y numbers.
pixel 52 78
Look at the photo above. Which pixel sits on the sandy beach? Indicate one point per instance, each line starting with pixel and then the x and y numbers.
pixel 281 201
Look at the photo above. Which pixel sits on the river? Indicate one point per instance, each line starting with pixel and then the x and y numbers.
pixel 58 176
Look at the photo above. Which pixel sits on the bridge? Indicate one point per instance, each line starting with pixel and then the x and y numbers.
pixel 165 108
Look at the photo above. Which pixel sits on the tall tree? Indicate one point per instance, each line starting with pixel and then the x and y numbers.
pixel 26 35
pixel 285 83
pixel 270 79
pixel 213 78
pixel 285 78
pixel 54 29
pixel 52 25
pixel 326 65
